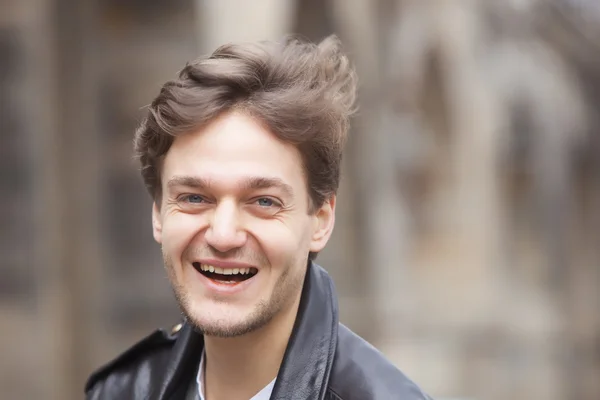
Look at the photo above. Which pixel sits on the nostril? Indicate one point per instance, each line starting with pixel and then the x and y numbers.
pixel 224 240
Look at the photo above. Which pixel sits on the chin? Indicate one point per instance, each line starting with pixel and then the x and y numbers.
pixel 226 329
pixel 224 322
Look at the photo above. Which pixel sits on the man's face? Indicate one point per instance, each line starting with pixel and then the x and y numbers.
pixel 234 225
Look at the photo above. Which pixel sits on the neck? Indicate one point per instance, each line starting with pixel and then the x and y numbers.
pixel 252 361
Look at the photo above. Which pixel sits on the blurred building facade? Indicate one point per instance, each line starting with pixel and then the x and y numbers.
pixel 467 245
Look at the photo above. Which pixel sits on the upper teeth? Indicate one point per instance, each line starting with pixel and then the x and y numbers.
pixel 224 271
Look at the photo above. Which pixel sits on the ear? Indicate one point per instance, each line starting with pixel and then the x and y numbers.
pixel 323 226
pixel 156 223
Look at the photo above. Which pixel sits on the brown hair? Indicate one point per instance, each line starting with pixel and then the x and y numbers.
pixel 303 92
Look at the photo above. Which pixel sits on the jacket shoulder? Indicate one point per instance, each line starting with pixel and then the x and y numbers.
pixel 360 371
pixel 121 377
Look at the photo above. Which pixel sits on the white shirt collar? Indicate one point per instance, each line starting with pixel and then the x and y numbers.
pixel 264 394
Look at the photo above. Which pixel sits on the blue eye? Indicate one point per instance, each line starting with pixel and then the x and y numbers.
pixel 265 202
pixel 194 198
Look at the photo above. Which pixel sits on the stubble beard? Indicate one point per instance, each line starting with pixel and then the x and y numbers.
pixel 285 290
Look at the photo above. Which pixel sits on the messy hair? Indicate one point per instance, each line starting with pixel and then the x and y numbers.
pixel 302 92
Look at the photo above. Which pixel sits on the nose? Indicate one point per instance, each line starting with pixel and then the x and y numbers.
pixel 224 233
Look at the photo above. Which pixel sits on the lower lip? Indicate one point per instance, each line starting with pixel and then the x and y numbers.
pixel 224 288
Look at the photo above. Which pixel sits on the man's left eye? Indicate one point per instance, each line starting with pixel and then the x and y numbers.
pixel 265 202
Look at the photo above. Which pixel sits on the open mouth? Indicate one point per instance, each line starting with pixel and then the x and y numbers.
pixel 225 275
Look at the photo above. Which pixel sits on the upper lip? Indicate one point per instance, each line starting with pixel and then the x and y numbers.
pixel 225 264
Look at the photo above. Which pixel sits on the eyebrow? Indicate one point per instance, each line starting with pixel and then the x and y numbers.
pixel 249 183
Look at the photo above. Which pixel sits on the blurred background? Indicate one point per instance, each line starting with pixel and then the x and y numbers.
pixel 467 245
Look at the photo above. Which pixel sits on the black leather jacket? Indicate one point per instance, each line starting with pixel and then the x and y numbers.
pixel 324 360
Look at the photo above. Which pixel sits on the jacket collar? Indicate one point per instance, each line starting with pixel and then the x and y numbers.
pixel 306 366
pixel 308 359
pixel 182 366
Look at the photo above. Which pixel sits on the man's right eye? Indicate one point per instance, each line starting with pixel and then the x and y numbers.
pixel 193 198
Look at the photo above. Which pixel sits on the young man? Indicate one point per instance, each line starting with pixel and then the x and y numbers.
pixel 241 155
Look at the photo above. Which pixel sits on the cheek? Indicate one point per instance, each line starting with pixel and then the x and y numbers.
pixel 178 231
pixel 281 240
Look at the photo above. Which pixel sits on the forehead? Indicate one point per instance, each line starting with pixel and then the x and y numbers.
pixel 232 147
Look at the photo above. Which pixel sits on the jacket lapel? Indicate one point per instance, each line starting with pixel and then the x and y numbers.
pixel 304 373
pixel 181 368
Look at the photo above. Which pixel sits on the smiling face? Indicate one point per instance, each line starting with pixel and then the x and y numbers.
pixel 234 225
